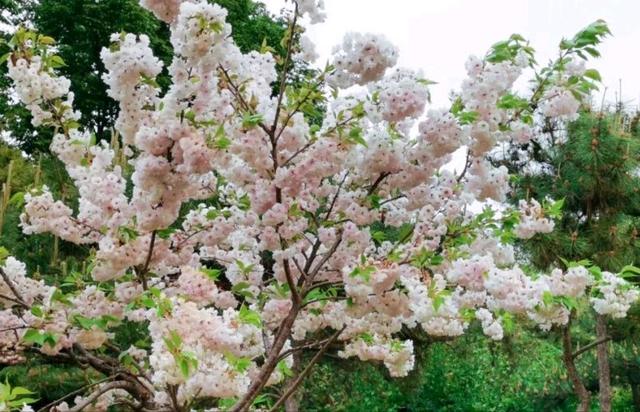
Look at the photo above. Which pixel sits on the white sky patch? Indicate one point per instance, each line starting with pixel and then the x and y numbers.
pixel 437 36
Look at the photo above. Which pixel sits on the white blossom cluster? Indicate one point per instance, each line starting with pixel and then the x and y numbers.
pixel 532 220
pixel 615 296
pixel 361 59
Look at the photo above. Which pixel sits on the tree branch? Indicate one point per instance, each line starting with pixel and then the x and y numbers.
pixel 305 372
pixel 590 346
pixel 377 183
pixel 142 275
pixel 76 392
pixel 19 299
pixel 283 81
pixel 583 395
pixel 101 391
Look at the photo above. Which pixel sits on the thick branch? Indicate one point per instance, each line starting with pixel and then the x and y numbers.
pixel 76 392
pixel 604 369
pixel 270 363
pixel 377 183
pixel 101 391
pixel 295 296
pixel 580 390
pixel 292 388
pixel 14 300
pixel 590 346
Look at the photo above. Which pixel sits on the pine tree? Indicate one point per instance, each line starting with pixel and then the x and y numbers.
pixel 593 165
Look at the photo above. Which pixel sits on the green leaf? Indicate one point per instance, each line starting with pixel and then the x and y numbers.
pixel 46 40
pixel 19 391
pixel 508 323
pixel 37 311
pixel 367 338
pixel 284 369
pixel 56 62
pixel 467 117
pixel 183 364
pixel 239 364
pixel 227 403
pixel 249 317
pixel 127 233
pixel 378 236
pixel 165 233
pixel 438 301
pixel 593 74
pixel 84 322
pixel 244 203
pixel 222 143
pixel 241 289
pixel 405 232
pixel 4 254
pixel 356 135
pixel 510 101
pixel 554 210
pixel 33 336
pixel 629 271
pixel 4 57
pixel 213 274
pixel 249 121
pixel 363 272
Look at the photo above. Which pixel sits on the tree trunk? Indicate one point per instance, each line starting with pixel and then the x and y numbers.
pixel 270 363
pixel 292 404
pixel 635 392
pixel 584 397
pixel 604 373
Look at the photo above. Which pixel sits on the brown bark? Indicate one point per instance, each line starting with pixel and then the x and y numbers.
pixel 584 397
pixel 635 393
pixel 270 363
pixel 604 370
pixel 292 404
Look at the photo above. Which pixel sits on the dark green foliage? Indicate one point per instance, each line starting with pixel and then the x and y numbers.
pixel 252 24
pixel 523 373
pixel 82 28
pixel 594 171
pixel 48 380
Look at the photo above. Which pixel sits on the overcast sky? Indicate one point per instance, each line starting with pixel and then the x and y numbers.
pixel 438 35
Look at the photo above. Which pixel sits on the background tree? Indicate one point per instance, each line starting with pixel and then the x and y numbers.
pixel 82 28
pixel 592 165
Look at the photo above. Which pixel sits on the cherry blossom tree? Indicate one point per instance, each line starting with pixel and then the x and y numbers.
pixel 236 233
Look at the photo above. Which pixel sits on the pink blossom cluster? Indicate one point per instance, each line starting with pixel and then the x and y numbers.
pixel 249 231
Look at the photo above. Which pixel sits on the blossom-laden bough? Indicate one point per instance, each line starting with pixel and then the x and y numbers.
pixel 306 235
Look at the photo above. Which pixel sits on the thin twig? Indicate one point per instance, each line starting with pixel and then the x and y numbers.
pixel 13 288
pixel 324 260
pixel 283 81
pixel 145 269
pixel 76 392
pixel 238 95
